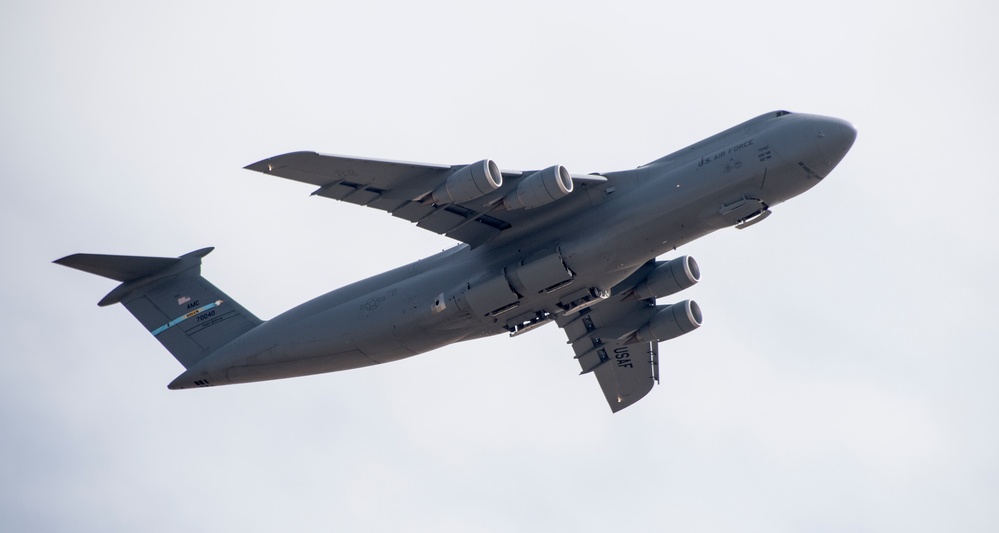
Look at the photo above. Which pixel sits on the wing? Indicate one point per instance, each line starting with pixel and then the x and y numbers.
pixel 601 336
pixel 404 190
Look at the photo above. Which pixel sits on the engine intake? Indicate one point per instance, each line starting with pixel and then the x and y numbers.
pixel 669 278
pixel 541 188
pixel 671 321
pixel 469 183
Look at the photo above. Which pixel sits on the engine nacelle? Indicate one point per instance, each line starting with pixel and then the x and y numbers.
pixel 469 183
pixel 542 187
pixel 669 278
pixel 671 321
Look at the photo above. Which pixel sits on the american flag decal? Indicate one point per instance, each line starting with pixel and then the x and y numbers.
pixel 183 300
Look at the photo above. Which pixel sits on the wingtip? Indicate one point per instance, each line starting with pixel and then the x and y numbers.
pixel 268 165
pixel 201 252
pixel 259 166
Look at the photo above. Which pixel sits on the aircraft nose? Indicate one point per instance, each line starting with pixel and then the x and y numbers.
pixel 835 138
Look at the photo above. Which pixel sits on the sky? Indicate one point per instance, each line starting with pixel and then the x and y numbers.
pixel 844 378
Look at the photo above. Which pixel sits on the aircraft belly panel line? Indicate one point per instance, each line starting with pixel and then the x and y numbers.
pixel 535 247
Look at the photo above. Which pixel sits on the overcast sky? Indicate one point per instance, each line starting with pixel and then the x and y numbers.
pixel 845 377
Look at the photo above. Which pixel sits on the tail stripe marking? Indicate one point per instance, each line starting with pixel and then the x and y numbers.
pixel 184 317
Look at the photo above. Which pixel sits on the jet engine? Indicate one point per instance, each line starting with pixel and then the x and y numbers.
pixel 542 187
pixel 469 183
pixel 669 277
pixel 671 321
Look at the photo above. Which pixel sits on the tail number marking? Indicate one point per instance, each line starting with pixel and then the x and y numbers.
pixel 202 313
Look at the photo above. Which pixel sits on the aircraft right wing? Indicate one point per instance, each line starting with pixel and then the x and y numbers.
pixel 602 336
pixel 412 191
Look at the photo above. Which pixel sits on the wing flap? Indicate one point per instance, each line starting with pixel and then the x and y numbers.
pixel 363 196
pixel 441 221
pixel 412 211
pixel 387 204
pixel 473 232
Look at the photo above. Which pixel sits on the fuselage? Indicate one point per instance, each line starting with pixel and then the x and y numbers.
pixel 517 281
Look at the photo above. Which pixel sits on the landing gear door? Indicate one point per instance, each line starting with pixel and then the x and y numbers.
pixel 742 210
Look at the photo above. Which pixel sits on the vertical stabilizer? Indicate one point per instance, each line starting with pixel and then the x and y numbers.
pixel 188 315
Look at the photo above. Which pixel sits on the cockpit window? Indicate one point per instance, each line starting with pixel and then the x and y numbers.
pixel 782 113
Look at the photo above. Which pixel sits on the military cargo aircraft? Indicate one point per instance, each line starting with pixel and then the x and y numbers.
pixel 535 247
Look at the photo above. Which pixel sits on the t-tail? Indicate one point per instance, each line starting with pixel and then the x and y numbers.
pixel 188 315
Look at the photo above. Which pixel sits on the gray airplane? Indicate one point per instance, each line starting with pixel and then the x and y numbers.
pixel 536 247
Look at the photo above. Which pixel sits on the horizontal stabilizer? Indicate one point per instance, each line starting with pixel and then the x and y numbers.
pixel 124 267
pixel 188 315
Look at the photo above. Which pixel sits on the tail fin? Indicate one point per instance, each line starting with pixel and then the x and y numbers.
pixel 188 315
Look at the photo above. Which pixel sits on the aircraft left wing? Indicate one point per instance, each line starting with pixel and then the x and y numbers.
pixel 452 200
pixel 602 337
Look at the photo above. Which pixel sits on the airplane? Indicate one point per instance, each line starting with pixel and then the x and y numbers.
pixel 535 247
